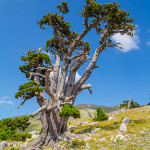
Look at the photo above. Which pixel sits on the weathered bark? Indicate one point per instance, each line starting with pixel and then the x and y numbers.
pixel 53 127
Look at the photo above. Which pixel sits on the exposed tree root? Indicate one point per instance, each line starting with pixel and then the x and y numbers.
pixel 49 141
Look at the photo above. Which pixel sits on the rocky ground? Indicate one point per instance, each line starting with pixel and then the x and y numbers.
pixel 124 130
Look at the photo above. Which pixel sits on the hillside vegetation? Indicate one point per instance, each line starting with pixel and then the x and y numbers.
pixel 104 108
pixel 86 134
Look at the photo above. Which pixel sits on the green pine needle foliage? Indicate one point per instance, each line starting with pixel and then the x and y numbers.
pixel 133 104
pixel 32 61
pixel 69 110
pixel 28 89
pixel 36 58
pixel 63 8
pixel 9 126
pixel 100 115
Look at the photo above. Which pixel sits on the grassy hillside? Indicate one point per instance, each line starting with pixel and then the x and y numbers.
pixel 89 135
pixel 104 108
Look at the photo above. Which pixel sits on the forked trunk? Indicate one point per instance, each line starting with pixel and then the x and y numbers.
pixel 53 127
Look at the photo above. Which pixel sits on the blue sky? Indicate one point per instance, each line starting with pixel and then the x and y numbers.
pixel 121 73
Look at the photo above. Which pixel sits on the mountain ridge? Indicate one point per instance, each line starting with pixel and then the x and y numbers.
pixel 106 109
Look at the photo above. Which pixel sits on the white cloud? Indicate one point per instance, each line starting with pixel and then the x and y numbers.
pixel 77 77
pixel 148 43
pixel 128 43
pixel 5 100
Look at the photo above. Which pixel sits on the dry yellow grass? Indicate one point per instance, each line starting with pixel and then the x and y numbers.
pixel 137 136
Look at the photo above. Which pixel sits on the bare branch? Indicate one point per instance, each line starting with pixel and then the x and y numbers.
pixel 36 50
pixel 21 104
pixel 69 98
pixel 69 103
pixel 86 86
pixel 92 64
pixel 71 79
pixel 38 111
pixel 71 48
pixel 88 110
pixel 76 56
pixel 80 62
pixel 48 108
pixel 47 89
pixel 46 67
pixel 77 52
pixel 85 31
pixel 88 58
pixel 36 74
pixel 25 99
pixel 55 74
pixel 58 37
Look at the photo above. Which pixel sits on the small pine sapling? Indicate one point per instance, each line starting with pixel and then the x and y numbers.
pixel 100 115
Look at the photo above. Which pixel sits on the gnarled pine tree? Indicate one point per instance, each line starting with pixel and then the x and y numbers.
pixel 70 52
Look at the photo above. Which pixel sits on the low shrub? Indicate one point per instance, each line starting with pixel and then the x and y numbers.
pixel 100 115
pixel 69 110
pixel 148 103
pixel 8 128
pixel 133 104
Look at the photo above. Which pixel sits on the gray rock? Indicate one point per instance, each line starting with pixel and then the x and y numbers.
pixel 103 139
pixel 71 127
pixel 120 136
pixel 96 129
pixel 61 138
pixel 3 144
pixel 34 132
pixel 110 118
pixel 123 127
pixel 82 131
pixel 80 124
pixel 126 121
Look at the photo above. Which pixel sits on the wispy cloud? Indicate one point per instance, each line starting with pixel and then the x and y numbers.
pixel 5 100
pixel 127 42
pixel 148 43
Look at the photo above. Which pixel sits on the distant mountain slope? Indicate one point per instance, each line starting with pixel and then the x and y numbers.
pixel 92 106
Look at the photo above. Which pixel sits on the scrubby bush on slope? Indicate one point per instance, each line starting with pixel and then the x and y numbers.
pixel 9 126
pixel 133 104
pixel 100 115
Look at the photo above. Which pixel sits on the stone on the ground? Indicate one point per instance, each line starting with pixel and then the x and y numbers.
pixel 126 121
pixel 96 129
pixel 123 127
pixel 80 124
pixel 34 134
pixel 82 131
pixel 61 138
pixel 71 127
pixel 103 139
pixel 110 118
pixel 3 145
pixel 121 137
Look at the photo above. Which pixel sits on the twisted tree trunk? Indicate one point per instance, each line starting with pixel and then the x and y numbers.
pixel 52 129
